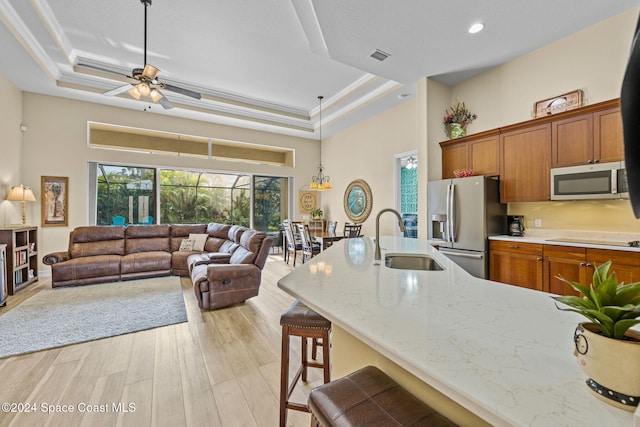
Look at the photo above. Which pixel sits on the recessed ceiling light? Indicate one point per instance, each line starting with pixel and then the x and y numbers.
pixel 476 28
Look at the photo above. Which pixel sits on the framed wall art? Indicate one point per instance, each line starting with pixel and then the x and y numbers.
pixel 55 201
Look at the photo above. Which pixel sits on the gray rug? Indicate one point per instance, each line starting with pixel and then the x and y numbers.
pixel 62 316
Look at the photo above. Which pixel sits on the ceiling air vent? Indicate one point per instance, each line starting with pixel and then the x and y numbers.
pixel 379 55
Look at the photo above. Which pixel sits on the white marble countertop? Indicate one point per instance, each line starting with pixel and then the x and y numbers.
pixel 503 352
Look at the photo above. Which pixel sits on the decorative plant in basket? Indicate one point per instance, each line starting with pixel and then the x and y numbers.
pixel 607 349
pixel 456 119
pixel 316 213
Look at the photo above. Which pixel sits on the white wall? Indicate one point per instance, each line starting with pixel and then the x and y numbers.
pixel 10 149
pixel 55 144
pixel 366 151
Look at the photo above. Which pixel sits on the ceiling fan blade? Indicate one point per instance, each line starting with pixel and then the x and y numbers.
pixel 118 90
pixel 150 72
pixel 165 103
pixel 181 90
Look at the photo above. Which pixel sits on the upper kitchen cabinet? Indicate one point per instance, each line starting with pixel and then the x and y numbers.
pixel 455 155
pixel 590 137
pixel 525 163
pixel 478 152
pixel 608 144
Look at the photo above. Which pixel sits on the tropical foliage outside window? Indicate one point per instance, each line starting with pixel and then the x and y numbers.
pixel 196 197
pixel 126 195
pixel 125 192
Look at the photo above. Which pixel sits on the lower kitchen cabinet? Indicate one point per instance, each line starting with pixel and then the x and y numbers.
pixel 569 262
pixel 516 263
pixel 537 266
pixel 625 264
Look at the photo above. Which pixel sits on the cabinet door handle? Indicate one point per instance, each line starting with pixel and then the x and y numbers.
pixel 589 161
pixel 582 264
pixel 589 265
pixel 539 259
pixel 514 247
pixel 596 161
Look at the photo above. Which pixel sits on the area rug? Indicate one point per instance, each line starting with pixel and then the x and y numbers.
pixel 57 317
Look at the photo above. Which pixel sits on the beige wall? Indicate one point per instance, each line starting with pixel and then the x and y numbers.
pixel 55 144
pixel 10 148
pixel 366 151
pixel 592 60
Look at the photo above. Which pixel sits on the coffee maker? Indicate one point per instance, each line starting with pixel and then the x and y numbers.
pixel 515 225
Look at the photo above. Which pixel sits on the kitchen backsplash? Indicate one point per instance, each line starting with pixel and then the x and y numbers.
pixel 595 216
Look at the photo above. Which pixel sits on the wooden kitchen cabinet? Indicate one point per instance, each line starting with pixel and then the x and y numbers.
pixel 589 138
pixel 608 143
pixel 525 164
pixel 454 156
pixel 516 263
pixel 479 152
pixel 569 262
pixel 626 264
pixel 484 155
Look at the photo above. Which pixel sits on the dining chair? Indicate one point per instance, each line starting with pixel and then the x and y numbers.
pixel 331 227
pixel 292 245
pixel 309 248
pixel 117 220
pixel 352 230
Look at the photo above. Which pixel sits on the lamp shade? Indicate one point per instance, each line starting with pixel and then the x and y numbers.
pixel 20 193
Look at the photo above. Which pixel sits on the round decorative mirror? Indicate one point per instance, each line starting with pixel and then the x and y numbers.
pixel 358 201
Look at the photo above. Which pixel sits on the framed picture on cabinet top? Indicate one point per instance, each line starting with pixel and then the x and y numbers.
pixel 55 201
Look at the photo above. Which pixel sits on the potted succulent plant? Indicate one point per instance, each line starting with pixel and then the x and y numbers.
pixel 607 349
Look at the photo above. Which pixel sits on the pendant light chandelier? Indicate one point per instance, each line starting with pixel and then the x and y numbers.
pixel 320 181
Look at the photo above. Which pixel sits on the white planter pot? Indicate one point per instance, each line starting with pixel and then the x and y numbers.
pixel 613 366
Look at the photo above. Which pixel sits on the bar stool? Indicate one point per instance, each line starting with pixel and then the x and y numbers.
pixel 300 321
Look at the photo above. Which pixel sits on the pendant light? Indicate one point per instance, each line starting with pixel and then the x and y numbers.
pixel 320 181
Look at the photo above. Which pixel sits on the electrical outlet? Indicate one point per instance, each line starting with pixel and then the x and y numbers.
pixel 537 223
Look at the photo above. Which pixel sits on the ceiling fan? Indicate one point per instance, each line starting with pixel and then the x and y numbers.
pixel 148 87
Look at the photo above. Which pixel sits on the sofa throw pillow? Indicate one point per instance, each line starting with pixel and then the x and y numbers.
pixel 186 245
pixel 198 241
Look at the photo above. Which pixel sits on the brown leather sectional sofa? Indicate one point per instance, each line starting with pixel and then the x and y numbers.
pixel 227 271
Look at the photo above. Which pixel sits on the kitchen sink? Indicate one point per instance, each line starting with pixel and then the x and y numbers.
pixel 406 261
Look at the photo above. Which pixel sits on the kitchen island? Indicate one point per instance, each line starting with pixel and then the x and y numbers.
pixel 480 349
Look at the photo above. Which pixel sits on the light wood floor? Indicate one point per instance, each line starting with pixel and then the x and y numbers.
pixel 221 368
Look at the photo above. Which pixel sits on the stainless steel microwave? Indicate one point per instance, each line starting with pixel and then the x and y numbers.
pixel 594 181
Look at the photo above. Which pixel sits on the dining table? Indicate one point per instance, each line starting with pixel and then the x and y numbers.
pixel 325 238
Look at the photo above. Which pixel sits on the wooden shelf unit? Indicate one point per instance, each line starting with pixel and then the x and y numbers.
pixel 22 256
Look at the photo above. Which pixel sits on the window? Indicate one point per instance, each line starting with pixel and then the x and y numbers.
pixel 270 201
pixel 133 195
pixel 197 197
pixel 125 195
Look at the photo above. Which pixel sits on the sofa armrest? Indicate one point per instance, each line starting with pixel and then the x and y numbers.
pixel 55 257
pixel 229 271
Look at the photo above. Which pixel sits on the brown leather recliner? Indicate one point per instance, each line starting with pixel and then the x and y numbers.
pixel 222 283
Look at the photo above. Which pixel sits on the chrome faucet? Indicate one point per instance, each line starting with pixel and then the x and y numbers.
pixel 378 255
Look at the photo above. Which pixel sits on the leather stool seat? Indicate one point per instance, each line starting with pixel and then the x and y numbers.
pixel 301 321
pixel 369 397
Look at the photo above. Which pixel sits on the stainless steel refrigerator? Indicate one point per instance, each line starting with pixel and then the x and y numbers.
pixel 463 212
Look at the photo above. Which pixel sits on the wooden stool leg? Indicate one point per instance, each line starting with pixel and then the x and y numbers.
pixel 314 349
pixel 304 359
pixel 284 376
pixel 325 357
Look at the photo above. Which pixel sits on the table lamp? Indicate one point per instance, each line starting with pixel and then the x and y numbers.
pixel 20 193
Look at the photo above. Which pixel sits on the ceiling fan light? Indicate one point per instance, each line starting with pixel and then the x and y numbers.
pixel 134 92
pixel 144 89
pixel 150 72
pixel 155 95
